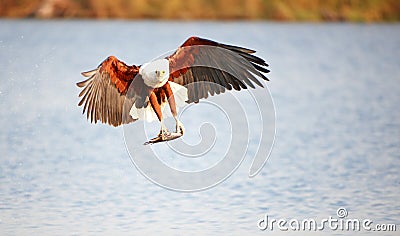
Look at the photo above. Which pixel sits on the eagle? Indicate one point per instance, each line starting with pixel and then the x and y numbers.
pixel 116 93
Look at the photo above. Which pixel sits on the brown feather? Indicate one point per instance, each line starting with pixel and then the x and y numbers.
pixel 104 92
pixel 213 67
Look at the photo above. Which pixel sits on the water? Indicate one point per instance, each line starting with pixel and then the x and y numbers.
pixel 336 89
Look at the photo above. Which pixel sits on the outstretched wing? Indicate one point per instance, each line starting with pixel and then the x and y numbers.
pixel 206 68
pixel 105 93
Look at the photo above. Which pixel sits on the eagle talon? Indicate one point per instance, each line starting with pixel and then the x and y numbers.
pixel 163 134
pixel 180 128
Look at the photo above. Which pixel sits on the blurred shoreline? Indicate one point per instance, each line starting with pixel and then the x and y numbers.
pixel 194 10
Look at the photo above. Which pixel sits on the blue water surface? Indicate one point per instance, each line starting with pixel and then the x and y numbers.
pixel 336 89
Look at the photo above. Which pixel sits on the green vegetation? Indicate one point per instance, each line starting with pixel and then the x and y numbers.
pixel 280 10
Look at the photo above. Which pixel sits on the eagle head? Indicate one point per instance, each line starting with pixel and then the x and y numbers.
pixel 156 73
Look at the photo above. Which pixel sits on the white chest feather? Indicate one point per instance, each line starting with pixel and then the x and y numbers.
pixel 148 114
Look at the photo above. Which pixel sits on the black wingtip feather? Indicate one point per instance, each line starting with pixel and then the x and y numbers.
pixel 260 68
pixel 238 49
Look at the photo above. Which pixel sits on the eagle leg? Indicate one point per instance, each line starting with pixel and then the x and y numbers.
pixel 179 126
pixel 172 105
pixel 164 133
pixel 157 108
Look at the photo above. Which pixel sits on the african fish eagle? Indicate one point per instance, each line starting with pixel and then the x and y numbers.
pixel 144 90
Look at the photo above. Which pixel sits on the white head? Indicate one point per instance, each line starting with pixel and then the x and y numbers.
pixel 155 73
